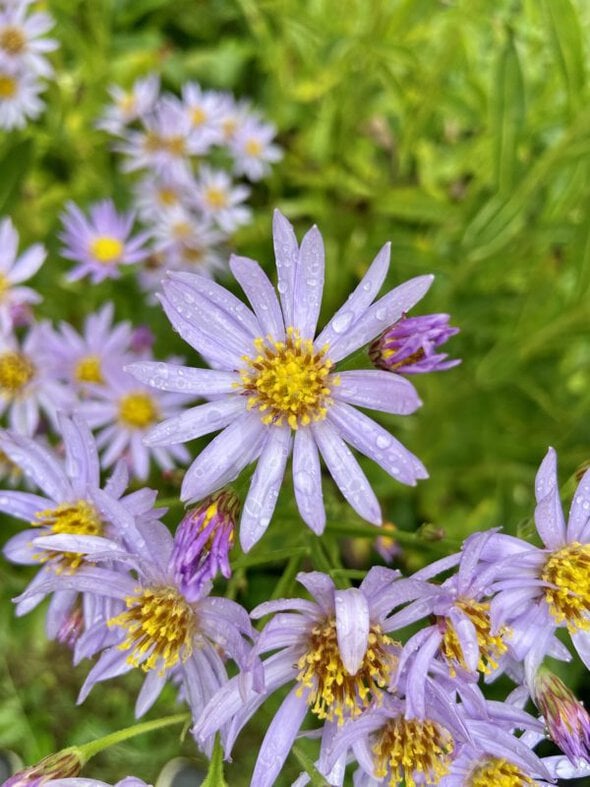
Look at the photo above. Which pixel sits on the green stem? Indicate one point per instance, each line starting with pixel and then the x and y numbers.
pixel 88 750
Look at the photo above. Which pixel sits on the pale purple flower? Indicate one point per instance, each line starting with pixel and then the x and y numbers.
pixel 142 340
pixel 275 388
pixel 252 149
pixel 14 270
pixel 101 243
pixel 187 242
pixel 130 105
pixel 206 109
pixel 220 200
pixel 122 411
pixel 22 41
pixel 19 97
pixel 160 193
pixel 409 345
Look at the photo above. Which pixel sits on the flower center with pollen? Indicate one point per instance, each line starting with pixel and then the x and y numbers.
pixel 289 381
pixel 137 410
pixel 88 370
pixel 78 519
pixel 405 747
pixel 498 772
pixel 12 40
pixel 161 625
pixel 335 693
pixel 490 646
pixel 568 573
pixel 106 249
pixel 16 370
pixel 7 86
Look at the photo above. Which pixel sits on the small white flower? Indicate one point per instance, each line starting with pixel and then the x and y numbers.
pixel 13 271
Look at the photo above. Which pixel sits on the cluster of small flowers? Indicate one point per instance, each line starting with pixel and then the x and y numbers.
pixel 188 207
pixel 23 65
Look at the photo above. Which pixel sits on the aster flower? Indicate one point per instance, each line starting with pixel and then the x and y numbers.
pixel 130 105
pixel 276 387
pixel 159 193
pixel 409 345
pixel 101 243
pixel 123 410
pixel 19 97
pixel 220 200
pixel 22 42
pixel 205 109
pixel 187 242
pixel 336 650
pixel 252 149
pixel 27 383
pixel 15 270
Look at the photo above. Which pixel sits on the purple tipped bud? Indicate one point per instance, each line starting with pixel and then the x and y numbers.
pixel 387 545
pixel 71 627
pixel 408 346
pixel 566 718
pixel 65 763
pixel 203 541
pixel 142 339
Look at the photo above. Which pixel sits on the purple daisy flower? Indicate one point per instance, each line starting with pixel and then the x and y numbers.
pixel 220 200
pixel 101 243
pixel 130 105
pixel 409 345
pixel 19 96
pixel 22 41
pixel 276 388
pixel 14 271
pixel 252 149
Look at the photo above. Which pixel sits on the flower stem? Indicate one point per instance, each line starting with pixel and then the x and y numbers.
pixel 88 750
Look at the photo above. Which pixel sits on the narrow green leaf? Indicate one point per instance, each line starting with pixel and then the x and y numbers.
pixel 508 110
pixel 14 167
pixel 214 776
pixel 567 39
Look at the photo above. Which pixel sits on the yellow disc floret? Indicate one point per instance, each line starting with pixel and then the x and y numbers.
pixel 411 751
pixel 16 370
pixel 12 40
pixel 289 381
pixel 216 198
pixel 335 693
pixel 161 625
pixel 7 86
pixel 78 519
pixel 567 571
pixel 253 147
pixel 106 249
pixel 138 410
pixel 88 370
pixel 490 646
pixel 499 773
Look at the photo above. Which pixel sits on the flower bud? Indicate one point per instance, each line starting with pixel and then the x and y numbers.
pixel 65 763
pixel 386 544
pixel 567 721
pixel 203 541
pixel 408 346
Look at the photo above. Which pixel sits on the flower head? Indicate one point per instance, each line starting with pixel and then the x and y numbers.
pixel 252 149
pixel 15 270
pixel 409 345
pixel 220 201
pixel 67 762
pixel 19 97
pixel 22 41
pixel 277 388
pixel 130 105
pixel 566 718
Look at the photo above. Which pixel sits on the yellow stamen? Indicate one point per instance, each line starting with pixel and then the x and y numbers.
pixel 4 285
pixel 229 127
pixel 198 116
pixel 138 410
pixel 88 370
pixel 167 196
pixel 406 747
pixel 499 773
pixel 568 572
pixel 16 370
pixel 216 198
pixel 7 86
pixel 79 519
pixel 106 249
pixel 161 624
pixel 335 693
pixel 176 145
pixel 288 381
pixel 490 647
pixel 253 147
pixel 12 40
pixel 127 103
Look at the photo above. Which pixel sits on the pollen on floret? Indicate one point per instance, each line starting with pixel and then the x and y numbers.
pixel 498 772
pixel 216 198
pixel 160 625
pixel 16 370
pixel 137 410
pixel 12 40
pixel 491 646
pixel 334 693
pixel 88 370
pixel 406 747
pixel 288 381
pixel 8 86
pixel 253 147
pixel 106 249
pixel 80 519
pixel 567 574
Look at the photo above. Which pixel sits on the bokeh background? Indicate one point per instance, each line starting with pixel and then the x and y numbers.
pixel 460 131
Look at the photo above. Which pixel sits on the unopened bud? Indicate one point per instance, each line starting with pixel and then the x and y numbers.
pixel 567 721
pixel 386 545
pixel 408 346
pixel 65 763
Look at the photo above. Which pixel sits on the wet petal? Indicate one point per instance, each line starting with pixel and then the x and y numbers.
pixel 183 379
pixel 309 283
pixel 197 421
pixel 307 481
pixel 287 256
pixel 548 513
pixel 377 390
pixel 261 294
pixel 352 627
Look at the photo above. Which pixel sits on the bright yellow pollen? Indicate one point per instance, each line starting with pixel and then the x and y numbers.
pixel 161 624
pixel 16 370
pixel 198 116
pixel 4 285
pixel 88 370
pixel 288 381
pixel 253 147
pixel 7 86
pixel 217 198
pixel 106 249
pixel 407 747
pixel 334 692
pixel 568 571
pixel 137 410
pixel 79 519
pixel 490 647
pixel 499 773
pixel 12 40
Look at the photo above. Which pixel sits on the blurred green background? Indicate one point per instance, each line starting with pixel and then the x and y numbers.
pixel 460 131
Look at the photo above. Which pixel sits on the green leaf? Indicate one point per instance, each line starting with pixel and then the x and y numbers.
pixel 214 776
pixel 567 40
pixel 14 167
pixel 507 114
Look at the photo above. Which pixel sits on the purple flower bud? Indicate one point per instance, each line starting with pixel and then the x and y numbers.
pixel 142 339
pixel 65 763
pixel 386 544
pixel 203 541
pixel 408 346
pixel 71 627
pixel 21 315
pixel 566 718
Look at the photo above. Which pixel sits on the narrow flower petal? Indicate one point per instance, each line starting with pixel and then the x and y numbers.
pixel 82 463
pixel 287 256
pixel 309 283
pixel 307 481
pixel 377 390
pixel 183 379
pixel 548 513
pixel 22 505
pixel 261 294
pixel 196 422
pixel 38 464
pixel 352 627
pixel 579 516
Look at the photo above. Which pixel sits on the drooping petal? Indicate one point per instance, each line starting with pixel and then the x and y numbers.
pixel 548 513
pixel 352 627
pixel 377 390
pixel 183 379
pixel 309 283
pixel 321 587
pixel 150 691
pixel 287 256
pixel 82 463
pixel 261 294
pixel 38 464
pixel 23 505
pixel 197 421
pixel 307 481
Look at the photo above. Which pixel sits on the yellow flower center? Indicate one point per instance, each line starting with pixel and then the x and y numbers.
pixel 4 285
pixel 229 126
pixel 288 381
pixel 498 772
pixel 160 623
pixel 88 370
pixel 335 693
pixel 216 198
pixel 192 255
pixel 176 145
pixel 106 249
pixel 16 370
pixel 568 571
pixel 198 116
pixel 490 647
pixel 79 519
pixel 137 410
pixel 167 196
pixel 253 147
pixel 127 103
pixel 12 40
pixel 405 747
pixel 7 86
pixel 153 142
